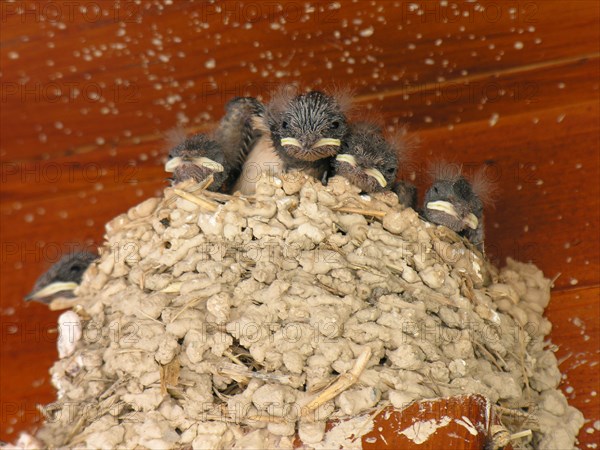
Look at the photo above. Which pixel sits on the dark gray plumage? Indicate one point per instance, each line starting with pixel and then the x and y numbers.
pixel 307 130
pixel 237 132
pixel 220 155
pixel 197 157
pixel 61 279
pixel 406 192
pixel 456 203
pixel 366 159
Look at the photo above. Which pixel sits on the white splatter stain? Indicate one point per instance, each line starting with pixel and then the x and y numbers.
pixel 367 32
pixel 466 422
pixel 420 432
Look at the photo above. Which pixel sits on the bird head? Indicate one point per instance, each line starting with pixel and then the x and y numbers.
pixel 196 157
pixel 61 279
pixel 452 202
pixel 367 160
pixel 308 127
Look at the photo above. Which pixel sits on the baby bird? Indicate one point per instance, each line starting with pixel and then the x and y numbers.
pixel 261 158
pixel 366 159
pixel 220 155
pixel 307 130
pixel 456 203
pixel 196 157
pixel 61 279
pixel 406 192
pixel 237 132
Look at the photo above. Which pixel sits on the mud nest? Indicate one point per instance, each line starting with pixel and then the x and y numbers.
pixel 217 321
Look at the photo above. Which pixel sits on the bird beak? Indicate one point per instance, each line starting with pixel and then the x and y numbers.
pixel 201 161
pixel 471 221
pixel 208 163
pixel 445 207
pixel 377 175
pixel 327 141
pixel 291 141
pixel 347 159
pixel 173 164
pixel 51 289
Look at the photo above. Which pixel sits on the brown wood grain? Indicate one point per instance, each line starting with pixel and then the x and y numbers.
pixel 427 425
pixel 86 96
pixel 405 429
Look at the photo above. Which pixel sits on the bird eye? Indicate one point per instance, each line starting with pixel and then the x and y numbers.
pixel 75 269
pixel 335 125
pixel 435 189
pixel 390 170
pixel 284 125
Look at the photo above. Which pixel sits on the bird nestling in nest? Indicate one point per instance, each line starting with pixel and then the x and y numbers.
pixel 62 278
pixel 370 160
pixel 221 153
pixel 457 202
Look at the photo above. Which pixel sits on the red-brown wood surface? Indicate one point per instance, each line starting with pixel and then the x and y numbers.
pixel 460 422
pixel 88 90
pixel 407 429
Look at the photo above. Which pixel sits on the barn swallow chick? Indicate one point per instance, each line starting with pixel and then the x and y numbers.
pixel 196 157
pixel 61 279
pixel 406 192
pixel 260 158
pixel 220 155
pixel 366 159
pixel 456 203
pixel 405 146
pixel 307 130
pixel 237 132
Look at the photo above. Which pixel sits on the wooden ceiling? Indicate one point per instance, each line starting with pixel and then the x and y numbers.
pixel 89 89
